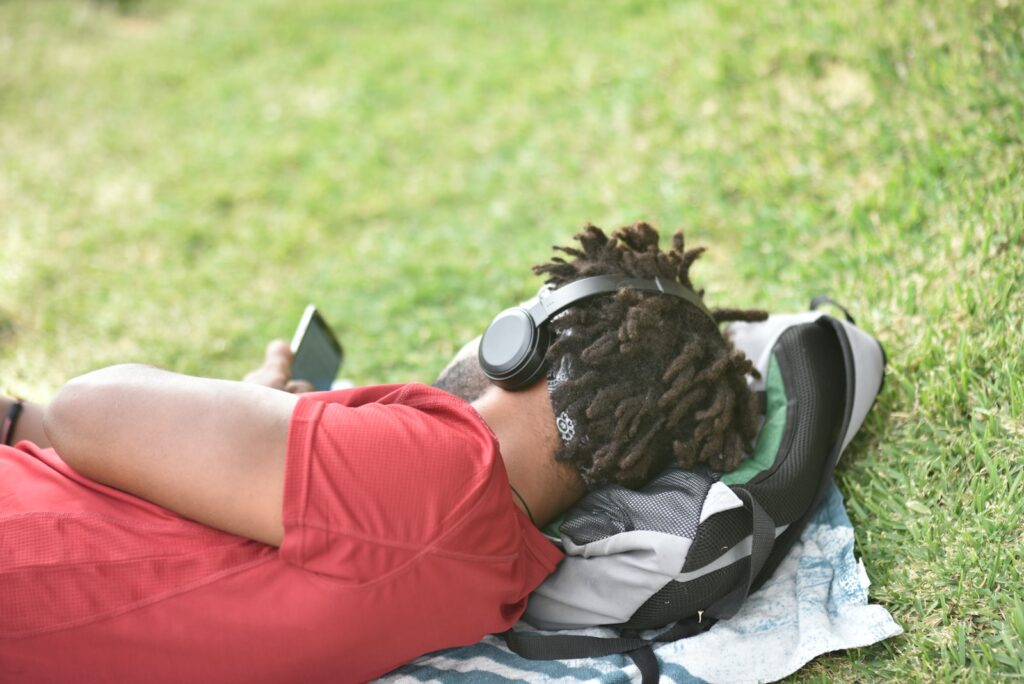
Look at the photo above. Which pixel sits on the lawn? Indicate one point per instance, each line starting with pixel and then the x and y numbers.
pixel 178 179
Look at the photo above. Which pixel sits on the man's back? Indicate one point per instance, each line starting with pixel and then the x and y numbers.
pixel 400 538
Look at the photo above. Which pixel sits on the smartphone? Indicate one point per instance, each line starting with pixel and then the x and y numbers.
pixel 317 352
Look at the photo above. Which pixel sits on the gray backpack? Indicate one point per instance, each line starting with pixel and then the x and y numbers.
pixel 687 548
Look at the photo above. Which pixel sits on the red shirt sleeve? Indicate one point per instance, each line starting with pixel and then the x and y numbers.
pixel 378 476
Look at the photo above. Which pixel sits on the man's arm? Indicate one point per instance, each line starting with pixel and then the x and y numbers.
pixel 210 450
pixel 275 373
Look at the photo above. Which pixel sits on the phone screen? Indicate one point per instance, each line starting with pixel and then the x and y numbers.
pixel 318 354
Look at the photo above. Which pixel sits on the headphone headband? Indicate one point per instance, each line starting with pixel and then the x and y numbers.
pixel 548 303
pixel 512 348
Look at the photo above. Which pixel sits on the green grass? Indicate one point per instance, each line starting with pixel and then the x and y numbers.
pixel 178 179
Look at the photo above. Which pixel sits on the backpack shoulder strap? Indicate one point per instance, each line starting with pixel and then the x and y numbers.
pixel 762 540
pixel 640 650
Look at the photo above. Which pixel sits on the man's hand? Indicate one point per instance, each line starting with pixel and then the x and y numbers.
pixel 276 371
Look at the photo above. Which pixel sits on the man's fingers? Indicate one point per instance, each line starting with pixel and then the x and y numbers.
pixel 298 387
pixel 277 366
pixel 279 354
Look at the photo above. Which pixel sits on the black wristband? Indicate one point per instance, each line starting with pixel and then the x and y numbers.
pixel 10 421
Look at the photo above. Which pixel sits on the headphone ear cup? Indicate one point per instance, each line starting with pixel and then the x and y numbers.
pixel 533 367
pixel 512 349
pixel 506 346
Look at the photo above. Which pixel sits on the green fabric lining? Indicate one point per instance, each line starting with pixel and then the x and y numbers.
pixel 770 437
pixel 553 531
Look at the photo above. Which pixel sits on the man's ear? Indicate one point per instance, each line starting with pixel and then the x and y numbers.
pixel 463 376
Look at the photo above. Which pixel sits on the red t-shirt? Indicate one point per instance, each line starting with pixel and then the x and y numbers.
pixel 401 537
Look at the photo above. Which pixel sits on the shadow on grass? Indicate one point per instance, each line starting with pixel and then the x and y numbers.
pixel 119 6
pixel 8 330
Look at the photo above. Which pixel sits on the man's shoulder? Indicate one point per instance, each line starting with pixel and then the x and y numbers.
pixel 412 418
pixel 409 394
pixel 431 401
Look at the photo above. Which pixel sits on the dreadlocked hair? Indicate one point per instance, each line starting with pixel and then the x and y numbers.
pixel 654 377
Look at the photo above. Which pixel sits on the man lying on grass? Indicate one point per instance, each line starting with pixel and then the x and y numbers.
pixel 159 527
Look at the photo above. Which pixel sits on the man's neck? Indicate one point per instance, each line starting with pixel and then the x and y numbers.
pixel 524 424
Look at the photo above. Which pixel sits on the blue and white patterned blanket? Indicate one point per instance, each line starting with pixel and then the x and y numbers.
pixel 816 602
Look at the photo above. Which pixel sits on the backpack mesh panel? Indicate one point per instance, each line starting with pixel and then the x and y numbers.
pixel 812 366
pixel 670 503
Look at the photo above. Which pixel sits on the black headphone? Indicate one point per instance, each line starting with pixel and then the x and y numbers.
pixel 512 348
